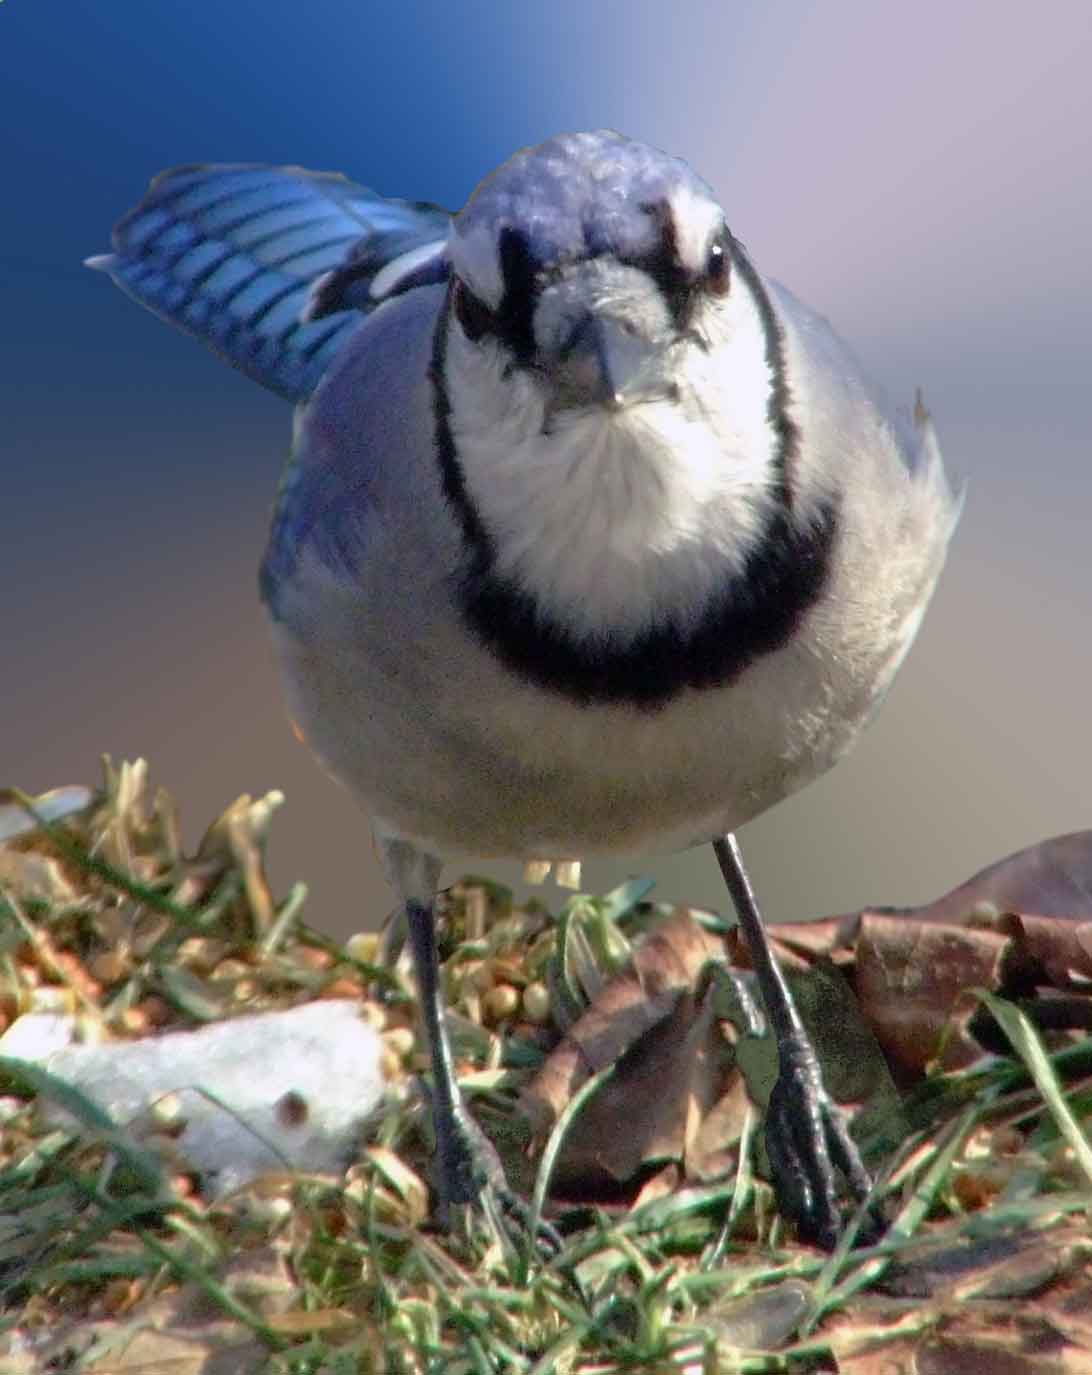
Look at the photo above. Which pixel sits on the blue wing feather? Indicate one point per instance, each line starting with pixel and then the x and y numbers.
pixel 272 266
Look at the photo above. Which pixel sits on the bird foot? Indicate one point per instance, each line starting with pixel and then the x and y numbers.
pixel 809 1146
pixel 469 1171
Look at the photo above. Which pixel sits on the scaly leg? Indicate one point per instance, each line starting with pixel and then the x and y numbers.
pixel 468 1167
pixel 806 1135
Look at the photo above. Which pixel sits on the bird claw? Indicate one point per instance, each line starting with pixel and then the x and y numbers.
pixel 809 1146
pixel 515 1221
pixel 469 1171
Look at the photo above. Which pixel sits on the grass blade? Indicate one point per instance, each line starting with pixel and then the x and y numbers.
pixel 89 1115
pixel 1025 1041
pixel 555 1141
pixel 901 1230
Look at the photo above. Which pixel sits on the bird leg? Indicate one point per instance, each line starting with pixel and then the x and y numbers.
pixel 468 1168
pixel 466 1161
pixel 806 1136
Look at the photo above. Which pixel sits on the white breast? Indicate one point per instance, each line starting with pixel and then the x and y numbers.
pixel 614 520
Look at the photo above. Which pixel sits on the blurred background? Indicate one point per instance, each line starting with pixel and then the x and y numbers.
pixel 921 174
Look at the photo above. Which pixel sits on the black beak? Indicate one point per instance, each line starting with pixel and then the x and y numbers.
pixel 607 362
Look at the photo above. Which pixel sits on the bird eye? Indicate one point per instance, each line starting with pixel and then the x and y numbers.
pixel 473 314
pixel 718 267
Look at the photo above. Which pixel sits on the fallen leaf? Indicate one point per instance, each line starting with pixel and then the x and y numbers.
pixel 662 1086
pixel 259 1277
pixel 799 943
pixel 1041 897
pixel 712 1152
pixel 152 1342
pixel 1053 949
pixel 1068 1310
pixel 989 1267
pixel 665 964
pixel 53 806
pixel 759 1322
pixel 912 980
pixel 660 1185
pixel 950 1355
pixel 1050 879
pixel 34 877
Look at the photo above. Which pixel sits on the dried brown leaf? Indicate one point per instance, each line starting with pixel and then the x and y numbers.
pixel 912 979
pixel 1050 879
pixel 260 1277
pixel 966 1337
pixel 34 877
pixel 665 964
pixel 977 1355
pixel 1068 1310
pixel 712 1152
pixel 154 1343
pixel 663 1085
pixel 1041 900
pixel 799 943
pixel 1029 1272
pixel 1053 950
pixel 992 1267
pixel 762 1321
pixel 660 1185
pixel 874 1337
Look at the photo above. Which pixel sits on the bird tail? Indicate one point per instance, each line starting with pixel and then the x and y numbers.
pixel 272 267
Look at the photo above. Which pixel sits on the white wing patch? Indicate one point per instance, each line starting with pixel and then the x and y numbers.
pixel 388 280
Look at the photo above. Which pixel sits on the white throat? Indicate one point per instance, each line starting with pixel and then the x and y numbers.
pixel 613 521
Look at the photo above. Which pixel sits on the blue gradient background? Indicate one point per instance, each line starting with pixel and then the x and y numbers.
pixel 921 175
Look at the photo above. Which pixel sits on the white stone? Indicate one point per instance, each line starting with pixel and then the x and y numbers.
pixel 38 1035
pixel 272 1091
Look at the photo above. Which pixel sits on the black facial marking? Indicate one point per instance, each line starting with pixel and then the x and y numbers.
pixel 753 613
pixel 718 266
pixel 512 323
pixel 475 535
pixel 664 265
pixel 777 409
pixel 474 315
pixel 518 271
pixel 515 317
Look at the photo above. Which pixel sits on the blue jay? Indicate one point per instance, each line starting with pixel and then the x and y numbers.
pixel 593 539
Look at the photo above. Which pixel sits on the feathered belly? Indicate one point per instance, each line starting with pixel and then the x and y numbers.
pixel 461 757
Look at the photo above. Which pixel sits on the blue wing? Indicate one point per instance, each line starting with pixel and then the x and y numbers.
pixel 272 266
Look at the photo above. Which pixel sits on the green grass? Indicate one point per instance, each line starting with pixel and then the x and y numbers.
pixel 97 1228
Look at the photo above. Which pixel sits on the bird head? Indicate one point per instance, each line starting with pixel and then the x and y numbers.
pixel 590 264
pixel 606 374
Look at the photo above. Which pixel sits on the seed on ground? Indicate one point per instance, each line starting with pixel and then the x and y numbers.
pixel 536 1003
pixel 500 1003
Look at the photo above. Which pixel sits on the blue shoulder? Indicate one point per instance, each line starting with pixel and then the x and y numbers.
pixel 359 445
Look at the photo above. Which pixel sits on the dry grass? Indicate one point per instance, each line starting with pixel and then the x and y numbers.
pixel 110 1259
